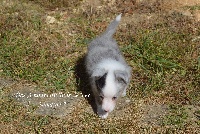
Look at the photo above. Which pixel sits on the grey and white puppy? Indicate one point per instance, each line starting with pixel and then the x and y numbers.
pixel 108 71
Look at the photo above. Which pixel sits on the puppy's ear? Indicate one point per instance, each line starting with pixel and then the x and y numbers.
pixel 100 81
pixel 100 78
pixel 121 76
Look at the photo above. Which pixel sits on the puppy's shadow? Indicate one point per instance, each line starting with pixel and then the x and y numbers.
pixel 82 82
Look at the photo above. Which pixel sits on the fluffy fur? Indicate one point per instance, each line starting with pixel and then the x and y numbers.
pixel 108 71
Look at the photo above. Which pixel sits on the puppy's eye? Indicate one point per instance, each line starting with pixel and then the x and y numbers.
pixel 101 97
pixel 114 98
pixel 121 80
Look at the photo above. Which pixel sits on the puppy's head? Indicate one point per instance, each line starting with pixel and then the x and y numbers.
pixel 110 85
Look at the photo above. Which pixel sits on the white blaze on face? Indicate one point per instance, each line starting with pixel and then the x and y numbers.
pixel 110 89
pixel 109 92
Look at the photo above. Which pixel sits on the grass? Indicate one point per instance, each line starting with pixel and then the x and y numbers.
pixel 196 7
pixel 164 59
pixel 177 116
pixel 154 57
pixel 30 55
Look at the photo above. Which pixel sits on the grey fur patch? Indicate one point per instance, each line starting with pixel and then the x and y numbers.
pixel 104 47
pixel 98 72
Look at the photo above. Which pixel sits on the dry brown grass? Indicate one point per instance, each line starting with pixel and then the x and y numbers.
pixel 42 48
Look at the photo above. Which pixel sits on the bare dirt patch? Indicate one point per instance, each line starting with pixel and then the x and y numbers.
pixel 6 83
pixel 34 109
pixel 154 115
pixel 58 104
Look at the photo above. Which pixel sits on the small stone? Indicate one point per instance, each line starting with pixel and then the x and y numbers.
pixel 127 101
pixel 50 20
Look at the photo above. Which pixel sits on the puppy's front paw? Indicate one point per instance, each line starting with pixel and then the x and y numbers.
pixel 124 93
pixel 103 116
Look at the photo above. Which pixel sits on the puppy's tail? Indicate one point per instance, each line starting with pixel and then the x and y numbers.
pixel 112 27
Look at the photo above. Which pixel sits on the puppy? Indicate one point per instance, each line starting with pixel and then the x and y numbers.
pixel 108 71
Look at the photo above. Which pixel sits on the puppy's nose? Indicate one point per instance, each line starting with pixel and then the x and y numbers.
pixel 106 111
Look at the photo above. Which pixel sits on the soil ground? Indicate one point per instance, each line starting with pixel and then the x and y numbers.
pixel 28 106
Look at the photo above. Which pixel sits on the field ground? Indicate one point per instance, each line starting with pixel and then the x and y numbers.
pixel 43 86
